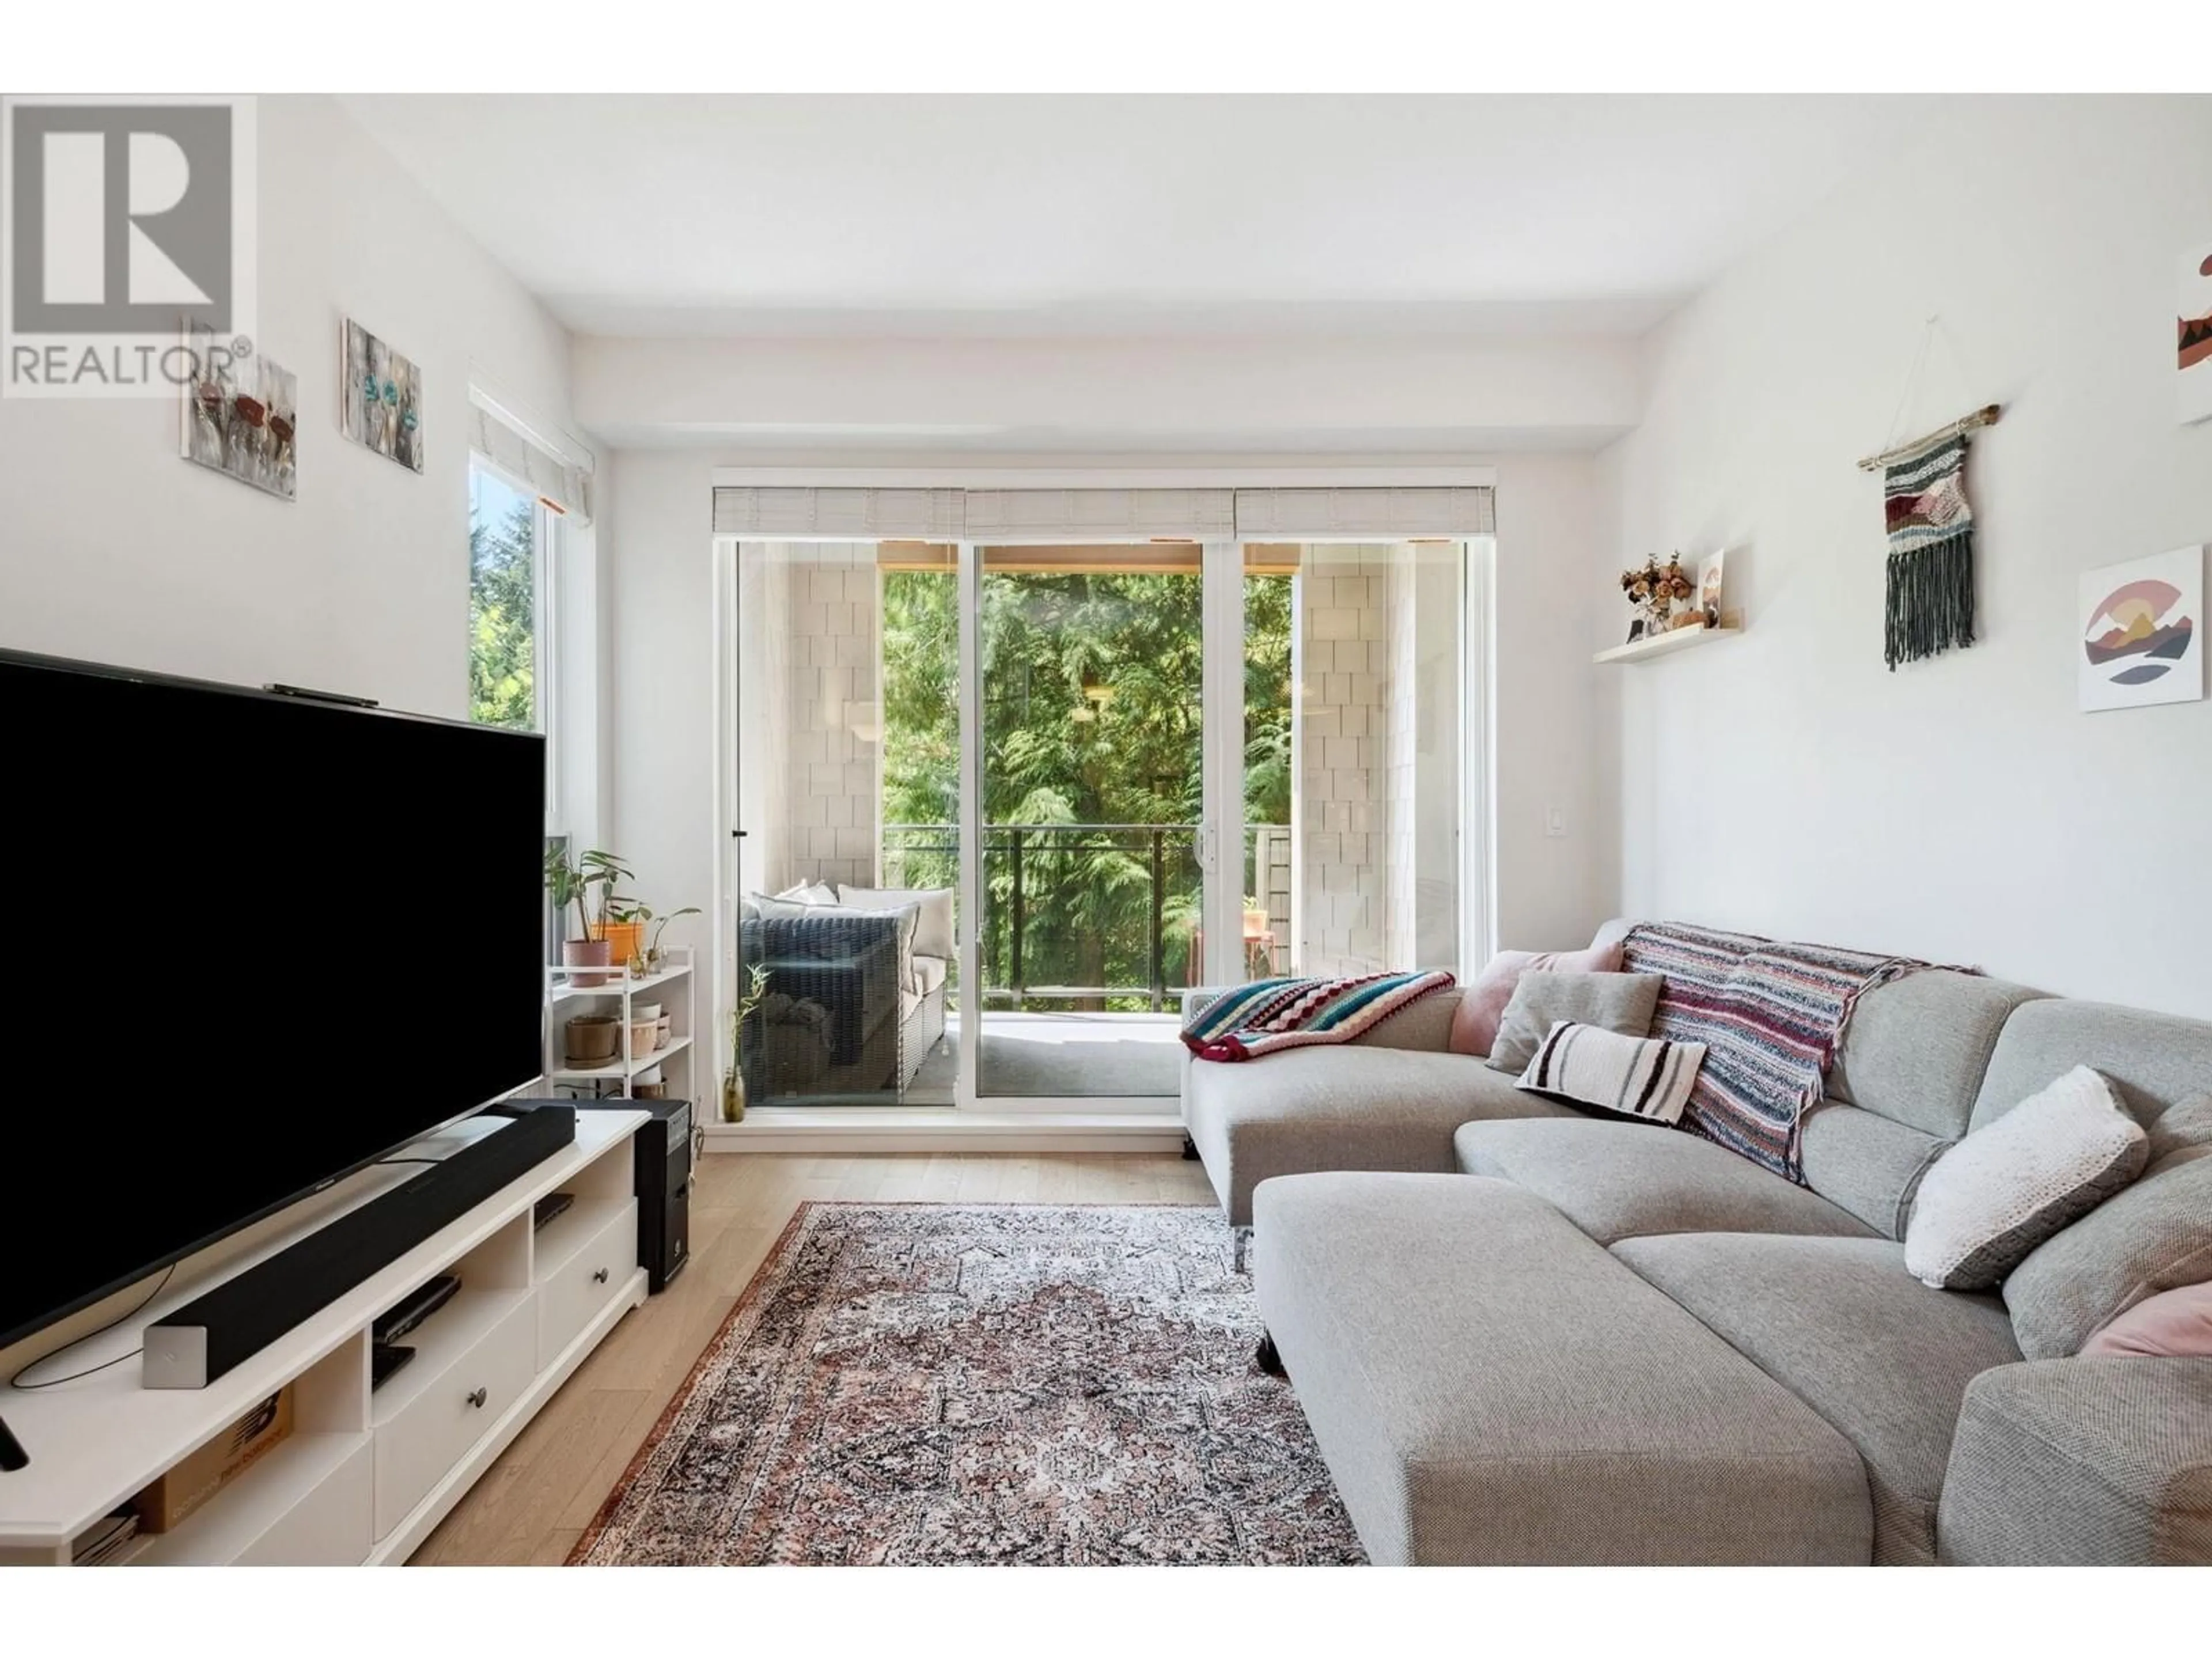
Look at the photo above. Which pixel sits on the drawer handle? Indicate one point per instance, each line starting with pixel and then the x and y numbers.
pixel 601 1277
pixel 478 1398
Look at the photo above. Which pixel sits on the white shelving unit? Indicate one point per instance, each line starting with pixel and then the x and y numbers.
pixel 366 1472
pixel 674 987
pixel 1674 640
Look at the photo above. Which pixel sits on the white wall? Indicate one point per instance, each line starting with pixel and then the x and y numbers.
pixel 112 548
pixel 1545 748
pixel 1959 809
pixel 1162 398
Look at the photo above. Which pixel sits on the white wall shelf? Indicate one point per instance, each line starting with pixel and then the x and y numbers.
pixel 1674 640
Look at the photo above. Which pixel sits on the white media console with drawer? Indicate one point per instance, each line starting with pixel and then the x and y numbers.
pixel 365 1473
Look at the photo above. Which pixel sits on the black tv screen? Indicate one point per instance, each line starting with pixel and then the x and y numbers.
pixel 257 942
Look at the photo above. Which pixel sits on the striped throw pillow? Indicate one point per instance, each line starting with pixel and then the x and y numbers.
pixel 1636 1077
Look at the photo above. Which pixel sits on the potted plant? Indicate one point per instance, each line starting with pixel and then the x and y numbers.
pixel 733 1079
pixel 570 882
pixel 624 929
pixel 652 955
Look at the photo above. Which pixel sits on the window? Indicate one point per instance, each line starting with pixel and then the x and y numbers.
pixel 509 674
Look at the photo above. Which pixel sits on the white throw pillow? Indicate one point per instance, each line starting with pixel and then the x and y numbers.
pixel 933 934
pixel 1989 1202
pixel 1635 1075
pixel 808 892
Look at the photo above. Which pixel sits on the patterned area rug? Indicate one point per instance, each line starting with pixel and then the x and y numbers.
pixel 939 1384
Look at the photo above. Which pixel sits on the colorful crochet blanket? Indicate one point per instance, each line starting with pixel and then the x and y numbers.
pixel 1259 1018
pixel 1770 1016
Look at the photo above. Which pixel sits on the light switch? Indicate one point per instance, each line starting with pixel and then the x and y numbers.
pixel 1555 821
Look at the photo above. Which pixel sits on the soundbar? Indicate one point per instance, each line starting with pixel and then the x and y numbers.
pixel 194 1345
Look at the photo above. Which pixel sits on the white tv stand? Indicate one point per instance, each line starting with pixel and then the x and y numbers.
pixel 364 1476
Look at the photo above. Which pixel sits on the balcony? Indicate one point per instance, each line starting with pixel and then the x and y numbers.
pixel 1096 918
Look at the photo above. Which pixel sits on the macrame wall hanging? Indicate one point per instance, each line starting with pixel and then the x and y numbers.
pixel 1931 604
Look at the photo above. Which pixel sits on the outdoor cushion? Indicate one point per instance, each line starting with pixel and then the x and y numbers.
pixel 1357 1107
pixel 928 973
pixel 1617 1179
pixel 933 934
pixel 2153 1060
pixel 1869 1164
pixel 1916 1048
pixel 1487 1386
pixel 1615 1002
pixel 1842 1325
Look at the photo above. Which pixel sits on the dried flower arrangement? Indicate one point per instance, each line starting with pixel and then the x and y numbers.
pixel 1656 588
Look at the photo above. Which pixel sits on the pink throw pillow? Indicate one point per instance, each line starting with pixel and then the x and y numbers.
pixel 2173 1324
pixel 1474 1023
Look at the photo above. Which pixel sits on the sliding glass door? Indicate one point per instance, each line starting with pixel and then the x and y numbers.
pixel 1004 805
pixel 1090 817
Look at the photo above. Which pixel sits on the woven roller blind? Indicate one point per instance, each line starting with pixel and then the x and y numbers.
pixel 1078 515
pixel 1072 517
pixel 1290 514
pixel 560 483
pixel 838 514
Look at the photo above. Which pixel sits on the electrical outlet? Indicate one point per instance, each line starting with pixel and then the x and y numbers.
pixel 1555 822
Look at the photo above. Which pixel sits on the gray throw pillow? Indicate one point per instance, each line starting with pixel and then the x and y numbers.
pixel 2184 1127
pixel 1612 1002
pixel 2156 1236
pixel 2011 1185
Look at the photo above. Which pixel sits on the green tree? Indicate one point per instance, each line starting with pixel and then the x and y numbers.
pixel 502 606
pixel 1091 716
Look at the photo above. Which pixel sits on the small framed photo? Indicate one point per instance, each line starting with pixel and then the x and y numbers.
pixel 1712 572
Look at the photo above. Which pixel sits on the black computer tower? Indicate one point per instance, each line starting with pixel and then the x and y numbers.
pixel 664 1189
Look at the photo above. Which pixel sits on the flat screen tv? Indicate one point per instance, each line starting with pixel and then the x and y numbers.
pixel 257 943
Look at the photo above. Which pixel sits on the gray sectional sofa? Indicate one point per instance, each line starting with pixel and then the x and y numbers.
pixel 1524 1333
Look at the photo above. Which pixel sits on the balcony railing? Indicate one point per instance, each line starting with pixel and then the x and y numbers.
pixel 1086 914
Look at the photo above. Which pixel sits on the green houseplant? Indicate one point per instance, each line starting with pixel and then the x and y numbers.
pixel 570 882
pixel 648 959
pixel 733 1079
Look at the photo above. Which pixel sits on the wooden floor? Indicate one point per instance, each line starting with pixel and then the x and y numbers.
pixel 531 1505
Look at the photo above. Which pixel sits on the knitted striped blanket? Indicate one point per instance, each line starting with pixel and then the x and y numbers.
pixel 1770 1016
pixel 1255 1019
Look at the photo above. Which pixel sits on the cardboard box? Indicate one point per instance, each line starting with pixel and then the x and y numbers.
pixel 206 1472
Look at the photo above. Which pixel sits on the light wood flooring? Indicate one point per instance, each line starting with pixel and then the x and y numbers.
pixel 533 1504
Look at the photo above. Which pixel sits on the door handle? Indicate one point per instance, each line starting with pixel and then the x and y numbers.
pixel 477 1397
pixel 601 1277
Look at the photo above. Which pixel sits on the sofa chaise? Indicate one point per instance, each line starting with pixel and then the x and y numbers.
pixel 1600 1340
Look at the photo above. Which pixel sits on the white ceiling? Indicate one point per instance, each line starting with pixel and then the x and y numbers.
pixel 1106 216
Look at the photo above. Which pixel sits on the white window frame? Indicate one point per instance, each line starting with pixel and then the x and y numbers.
pixel 1224 716
pixel 546 530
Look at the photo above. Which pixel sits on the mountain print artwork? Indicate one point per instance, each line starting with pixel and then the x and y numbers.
pixel 2141 631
